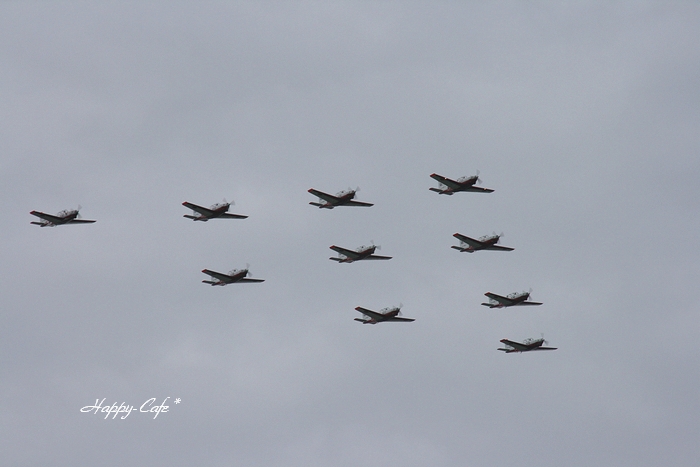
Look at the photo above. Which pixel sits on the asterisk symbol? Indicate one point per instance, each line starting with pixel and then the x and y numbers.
pixel 177 401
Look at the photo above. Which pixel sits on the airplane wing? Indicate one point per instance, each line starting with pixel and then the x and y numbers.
pixel 371 314
pixel 227 215
pixel 499 298
pixel 324 196
pixel 499 247
pixel 357 203
pixel 345 252
pixel 399 318
pixel 517 346
pixel 202 210
pixel 217 275
pixel 377 257
pixel 446 181
pixel 529 303
pixel 546 348
pixel 80 221
pixel 468 240
pixel 245 279
pixel 47 217
pixel 478 189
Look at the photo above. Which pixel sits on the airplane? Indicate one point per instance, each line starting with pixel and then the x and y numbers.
pixel 67 216
pixel 343 198
pixel 236 275
pixel 450 187
pixel 363 252
pixel 514 299
pixel 526 346
pixel 487 242
pixel 219 210
pixel 385 314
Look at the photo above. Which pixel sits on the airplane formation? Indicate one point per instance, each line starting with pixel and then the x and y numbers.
pixel 447 186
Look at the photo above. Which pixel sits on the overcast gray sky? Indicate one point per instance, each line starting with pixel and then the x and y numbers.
pixel 583 117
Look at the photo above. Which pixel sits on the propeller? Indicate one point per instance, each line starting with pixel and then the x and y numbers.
pixel 247 268
pixel 378 247
pixel 529 294
pixel 478 180
pixel 230 204
pixel 543 340
pixel 78 216
pixel 400 306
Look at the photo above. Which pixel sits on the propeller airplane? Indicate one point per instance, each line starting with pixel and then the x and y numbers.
pixel 514 299
pixel 385 314
pixel 487 242
pixel 527 345
pixel 67 216
pixel 234 276
pixel 343 198
pixel 450 187
pixel 215 211
pixel 361 253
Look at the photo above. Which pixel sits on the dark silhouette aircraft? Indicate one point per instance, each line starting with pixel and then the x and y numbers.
pixel 450 187
pixel 237 275
pixel 343 198
pixel 514 299
pixel 219 210
pixel 68 216
pixel 487 242
pixel 385 314
pixel 527 345
pixel 363 252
